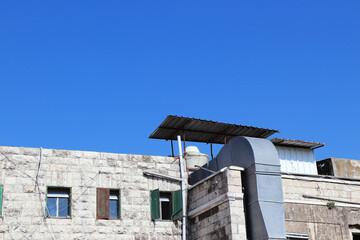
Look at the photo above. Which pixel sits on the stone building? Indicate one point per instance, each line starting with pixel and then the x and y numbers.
pixel 315 207
pixel 253 189
pixel 82 195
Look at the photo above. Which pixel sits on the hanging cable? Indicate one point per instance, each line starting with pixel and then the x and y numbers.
pixel 37 174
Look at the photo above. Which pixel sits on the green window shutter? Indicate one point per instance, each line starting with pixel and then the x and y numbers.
pixel 177 205
pixel 102 203
pixel 154 204
pixel 1 199
pixel 119 203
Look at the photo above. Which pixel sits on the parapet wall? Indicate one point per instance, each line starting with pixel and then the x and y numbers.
pixel 216 209
pixel 23 207
pixel 339 167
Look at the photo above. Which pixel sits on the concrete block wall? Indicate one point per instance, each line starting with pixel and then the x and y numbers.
pixel 24 205
pixel 340 167
pixel 216 209
pixel 310 214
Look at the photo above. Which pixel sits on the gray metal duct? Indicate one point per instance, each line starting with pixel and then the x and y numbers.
pixel 263 187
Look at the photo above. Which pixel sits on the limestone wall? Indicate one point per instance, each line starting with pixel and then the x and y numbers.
pixel 24 207
pixel 215 204
pixel 308 207
pixel 216 207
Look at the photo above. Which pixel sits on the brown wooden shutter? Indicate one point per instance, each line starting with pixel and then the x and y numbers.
pixel 102 203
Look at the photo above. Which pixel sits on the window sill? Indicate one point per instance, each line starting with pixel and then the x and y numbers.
pixel 108 219
pixel 163 220
pixel 60 217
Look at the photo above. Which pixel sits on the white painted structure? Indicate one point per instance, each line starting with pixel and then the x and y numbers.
pixel 297 160
pixel 194 157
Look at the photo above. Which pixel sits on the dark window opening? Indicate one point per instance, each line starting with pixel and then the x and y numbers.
pixel 114 204
pixel 356 236
pixel 165 206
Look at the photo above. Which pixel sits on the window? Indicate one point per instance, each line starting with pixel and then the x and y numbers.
pixel 165 205
pixel 356 236
pixel 58 202
pixel 1 199
pixel 108 203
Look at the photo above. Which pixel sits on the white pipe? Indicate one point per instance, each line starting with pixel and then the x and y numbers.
pixel 182 189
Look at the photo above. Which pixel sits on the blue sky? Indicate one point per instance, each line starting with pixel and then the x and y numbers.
pixel 102 75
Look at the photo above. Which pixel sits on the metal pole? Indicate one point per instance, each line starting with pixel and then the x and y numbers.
pixel 172 149
pixel 182 189
pixel 184 143
pixel 212 157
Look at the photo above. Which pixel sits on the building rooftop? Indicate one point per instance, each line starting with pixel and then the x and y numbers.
pixel 199 130
pixel 296 143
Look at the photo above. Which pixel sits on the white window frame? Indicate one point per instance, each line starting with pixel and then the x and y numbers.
pixel 58 196
pixel 114 196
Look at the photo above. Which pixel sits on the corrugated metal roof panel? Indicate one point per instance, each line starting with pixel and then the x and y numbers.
pixel 296 143
pixel 198 130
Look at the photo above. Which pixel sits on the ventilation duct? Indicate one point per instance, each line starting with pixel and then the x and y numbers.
pixel 262 182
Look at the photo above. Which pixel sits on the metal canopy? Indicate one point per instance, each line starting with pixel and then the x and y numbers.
pixel 198 130
pixel 296 143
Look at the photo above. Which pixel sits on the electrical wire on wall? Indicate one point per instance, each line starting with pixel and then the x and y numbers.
pixel 17 168
pixel 37 190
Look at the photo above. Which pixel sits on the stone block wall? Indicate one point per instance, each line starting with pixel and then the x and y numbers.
pixel 307 208
pixel 216 208
pixel 23 206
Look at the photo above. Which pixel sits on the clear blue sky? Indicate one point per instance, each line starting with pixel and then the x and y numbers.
pixel 102 75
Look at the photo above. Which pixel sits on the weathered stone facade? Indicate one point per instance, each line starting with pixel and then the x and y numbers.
pixel 216 208
pixel 323 208
pixel 307 199
pixel 23 206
